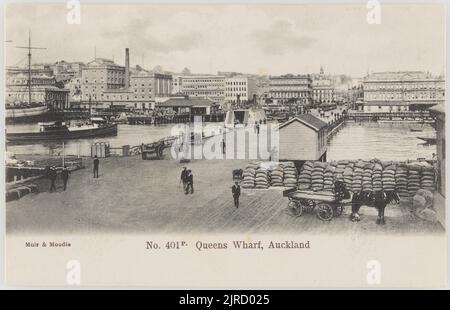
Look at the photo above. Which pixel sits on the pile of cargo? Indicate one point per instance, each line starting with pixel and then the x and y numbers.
pixel 290 174
pixel 373 175
pixel 277 175
pixel 262 178
pixel 248 176
pixel 262 175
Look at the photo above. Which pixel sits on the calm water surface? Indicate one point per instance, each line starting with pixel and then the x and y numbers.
pixel 385 141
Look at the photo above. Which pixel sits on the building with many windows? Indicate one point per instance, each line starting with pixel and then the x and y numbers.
pixel 44 88
pixel 99 76
pixel 201 86
pixel 291 89
pixel 242 87
pixel 402 91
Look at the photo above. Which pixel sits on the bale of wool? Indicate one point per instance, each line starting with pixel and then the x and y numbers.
pixel 290 177
pixel 328 177
pixel 427 180
pixel 367 177
pixel 428 195
pixel 401 180
pixel 388 178
pixel 348 176
pixel 413 180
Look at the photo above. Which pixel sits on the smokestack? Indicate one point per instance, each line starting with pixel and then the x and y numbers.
pixel 127 68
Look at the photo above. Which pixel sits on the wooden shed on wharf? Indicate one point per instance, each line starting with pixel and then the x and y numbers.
pixel 303 138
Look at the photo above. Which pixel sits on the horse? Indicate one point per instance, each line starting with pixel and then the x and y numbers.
pixel 378 199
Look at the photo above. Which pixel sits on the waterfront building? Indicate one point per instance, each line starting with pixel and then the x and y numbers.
pixel 44 89
pixel 100 76
pixel 192 106
pixel 203 86
pixel 291 88
pixel 402 91
pixel 105 83
pixel 66 71
pixel 322 88
pixel 242 87
pixel 303 138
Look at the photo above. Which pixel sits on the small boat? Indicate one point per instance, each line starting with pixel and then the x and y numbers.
pixel 59 130
pixel 415 130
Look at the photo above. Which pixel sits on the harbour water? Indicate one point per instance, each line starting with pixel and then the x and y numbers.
pixel 385 141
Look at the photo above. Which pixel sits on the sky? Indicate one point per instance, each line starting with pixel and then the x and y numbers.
pixel 261 39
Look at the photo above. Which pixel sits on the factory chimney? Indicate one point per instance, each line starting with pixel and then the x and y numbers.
pixel 127 68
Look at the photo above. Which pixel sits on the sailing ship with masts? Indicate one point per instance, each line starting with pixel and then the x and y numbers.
pixel 59 129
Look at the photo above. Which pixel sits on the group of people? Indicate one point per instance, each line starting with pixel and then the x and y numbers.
pixel 52 175
pixel 187 178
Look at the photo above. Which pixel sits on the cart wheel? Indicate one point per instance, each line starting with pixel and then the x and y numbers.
pixel 295 208
pixel 338 210
pixel 308 204
pixel 324 211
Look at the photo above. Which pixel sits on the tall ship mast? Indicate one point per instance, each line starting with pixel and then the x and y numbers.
pixel 28 110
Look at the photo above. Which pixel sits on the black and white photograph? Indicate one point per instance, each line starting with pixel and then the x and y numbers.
pixel 209 120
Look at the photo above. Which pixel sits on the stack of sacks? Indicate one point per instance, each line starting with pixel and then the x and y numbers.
pixel 413 179
pixel 290 175
pixel 401 180
pixel 276 176
pixel 348 176
pixel 328 178
pixel 388 178
pixel 262 178
pixel 367 177
pixel 304 179
pixel 317 176
pixel 377 182
pixel 249 175
pixel 427 178
pixel 357 176
pixel 339 172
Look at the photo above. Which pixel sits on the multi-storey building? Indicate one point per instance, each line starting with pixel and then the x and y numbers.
pixel 402 91
pixel 291 89
pixel 322 91
pixel 99 76
pixel 44 88
pixel 242 87
pixel 203 86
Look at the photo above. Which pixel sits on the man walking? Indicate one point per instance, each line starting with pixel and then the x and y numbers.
pixel 52 177
pixel 183 177
pixel 65 176
pixel 96 163
pixel 224 147
pixel 189 183
pixel 236 191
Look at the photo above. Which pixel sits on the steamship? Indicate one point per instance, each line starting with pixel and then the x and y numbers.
pixel 59 130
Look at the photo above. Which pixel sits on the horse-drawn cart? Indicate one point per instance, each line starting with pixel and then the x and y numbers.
pixel 326 204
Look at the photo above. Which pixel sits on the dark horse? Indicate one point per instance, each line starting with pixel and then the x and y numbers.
pixel 378 199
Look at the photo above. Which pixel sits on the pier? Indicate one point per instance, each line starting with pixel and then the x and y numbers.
pixel 422 116
pixel 137 119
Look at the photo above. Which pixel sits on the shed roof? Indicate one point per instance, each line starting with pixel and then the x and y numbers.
pixel 308 120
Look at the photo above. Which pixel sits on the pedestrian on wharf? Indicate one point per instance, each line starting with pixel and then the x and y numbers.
pixel 189 183
pixel 52 176
pixel 223 146
pixel 65 176
pixel 183 177
pixel 236 191
pixel 96 163
pixel 257 129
